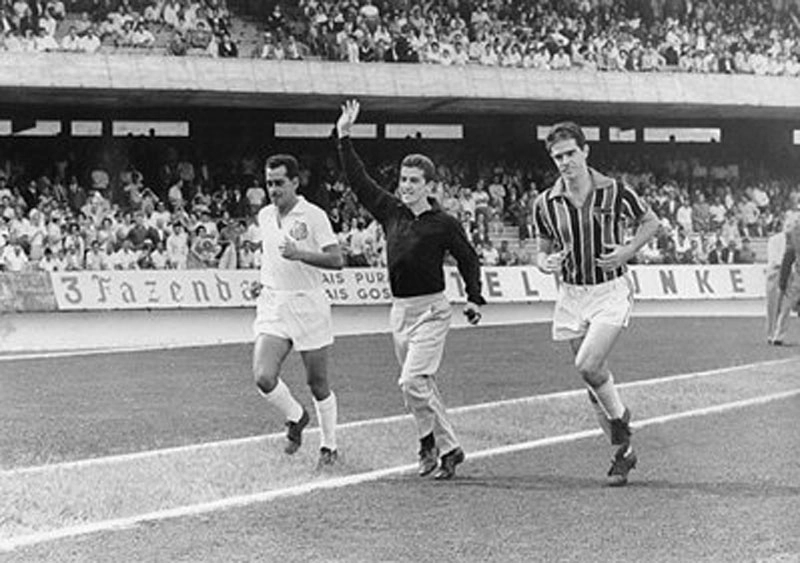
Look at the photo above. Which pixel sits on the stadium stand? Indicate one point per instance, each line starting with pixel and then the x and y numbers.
pixel 168 210
pixel 739 36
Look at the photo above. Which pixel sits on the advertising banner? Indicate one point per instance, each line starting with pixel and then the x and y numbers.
pixel 158 289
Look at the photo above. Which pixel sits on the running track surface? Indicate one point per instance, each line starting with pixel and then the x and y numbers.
pixel 724 487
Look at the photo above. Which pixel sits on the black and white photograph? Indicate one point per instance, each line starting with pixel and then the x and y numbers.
pixel 399 281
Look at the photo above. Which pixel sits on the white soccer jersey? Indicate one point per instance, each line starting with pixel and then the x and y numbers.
pixel 308 226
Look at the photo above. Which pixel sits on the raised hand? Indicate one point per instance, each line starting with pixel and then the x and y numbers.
pixel 348 117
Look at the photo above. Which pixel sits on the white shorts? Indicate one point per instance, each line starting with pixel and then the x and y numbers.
pixel 579 306
pixel 304 317
pixel 419 328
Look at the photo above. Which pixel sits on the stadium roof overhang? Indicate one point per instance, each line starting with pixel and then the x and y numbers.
pixel 168 83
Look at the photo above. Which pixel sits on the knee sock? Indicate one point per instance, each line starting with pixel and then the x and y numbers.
pixel 602 417
pixel 608 396
pixel 327 412
pixel 281 398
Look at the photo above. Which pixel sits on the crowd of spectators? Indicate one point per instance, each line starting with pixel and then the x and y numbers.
pixel 710 36
pixel 87 26
pixel 710 213
pixel 741 36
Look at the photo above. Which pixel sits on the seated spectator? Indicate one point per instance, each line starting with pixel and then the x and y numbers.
pixel 159 257
pixel 90 42
pixel 140 233
pixel 96 258
pixel 489 255
pixel 50 262
pixel 45 43
pixel 73 259
pixel 142 37
pixel 203 250
pixel 745 255
pixel 14 258
pixel 505 256
pixel 126 258
pixel 71 43
pixel 522 255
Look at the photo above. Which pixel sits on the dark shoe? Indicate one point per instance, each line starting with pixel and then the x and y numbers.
pixel 447 468
pixel 294 433
pixel 327 458
pixel 624 460
pixel 621 429
pixel 776 342
pixel 428 460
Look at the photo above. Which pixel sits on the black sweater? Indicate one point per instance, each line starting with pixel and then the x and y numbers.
pixel 415 245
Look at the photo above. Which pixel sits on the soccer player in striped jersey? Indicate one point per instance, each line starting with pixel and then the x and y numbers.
pixel 579 223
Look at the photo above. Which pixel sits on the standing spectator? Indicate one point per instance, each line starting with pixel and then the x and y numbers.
pixel 683 215
pixel 227 48
pixel 776 247
pixel 789 283
pixel 178 247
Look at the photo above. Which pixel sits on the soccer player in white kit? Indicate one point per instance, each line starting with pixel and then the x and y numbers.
pixel 293 310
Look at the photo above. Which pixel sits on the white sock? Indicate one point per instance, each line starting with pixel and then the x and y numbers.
pixel 281 398
pixel 609 397
pixel 327 413
pixel 602 417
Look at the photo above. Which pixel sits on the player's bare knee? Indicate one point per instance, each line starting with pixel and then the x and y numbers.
pixel 266 379
pixel 594 379
pixel 319 387
pixel 590 367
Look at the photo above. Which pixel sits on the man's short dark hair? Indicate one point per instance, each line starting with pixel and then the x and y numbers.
pixel 563 131
pixel 422 162
pixel 287 160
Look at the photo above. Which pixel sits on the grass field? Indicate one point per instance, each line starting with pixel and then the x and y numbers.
pixel 172 455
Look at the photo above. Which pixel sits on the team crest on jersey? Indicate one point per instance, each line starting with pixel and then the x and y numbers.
pixel 299 231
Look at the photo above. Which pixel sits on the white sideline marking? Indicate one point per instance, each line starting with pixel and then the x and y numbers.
pixel 374 421
pixel 339 482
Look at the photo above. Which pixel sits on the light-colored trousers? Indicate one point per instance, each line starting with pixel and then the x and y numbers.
pixel 773 294
pixel 419 328
pixel 787 305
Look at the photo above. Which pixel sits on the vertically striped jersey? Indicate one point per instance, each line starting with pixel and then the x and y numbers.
pixel 584 231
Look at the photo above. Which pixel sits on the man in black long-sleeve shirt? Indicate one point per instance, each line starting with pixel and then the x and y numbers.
pixel 418 235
